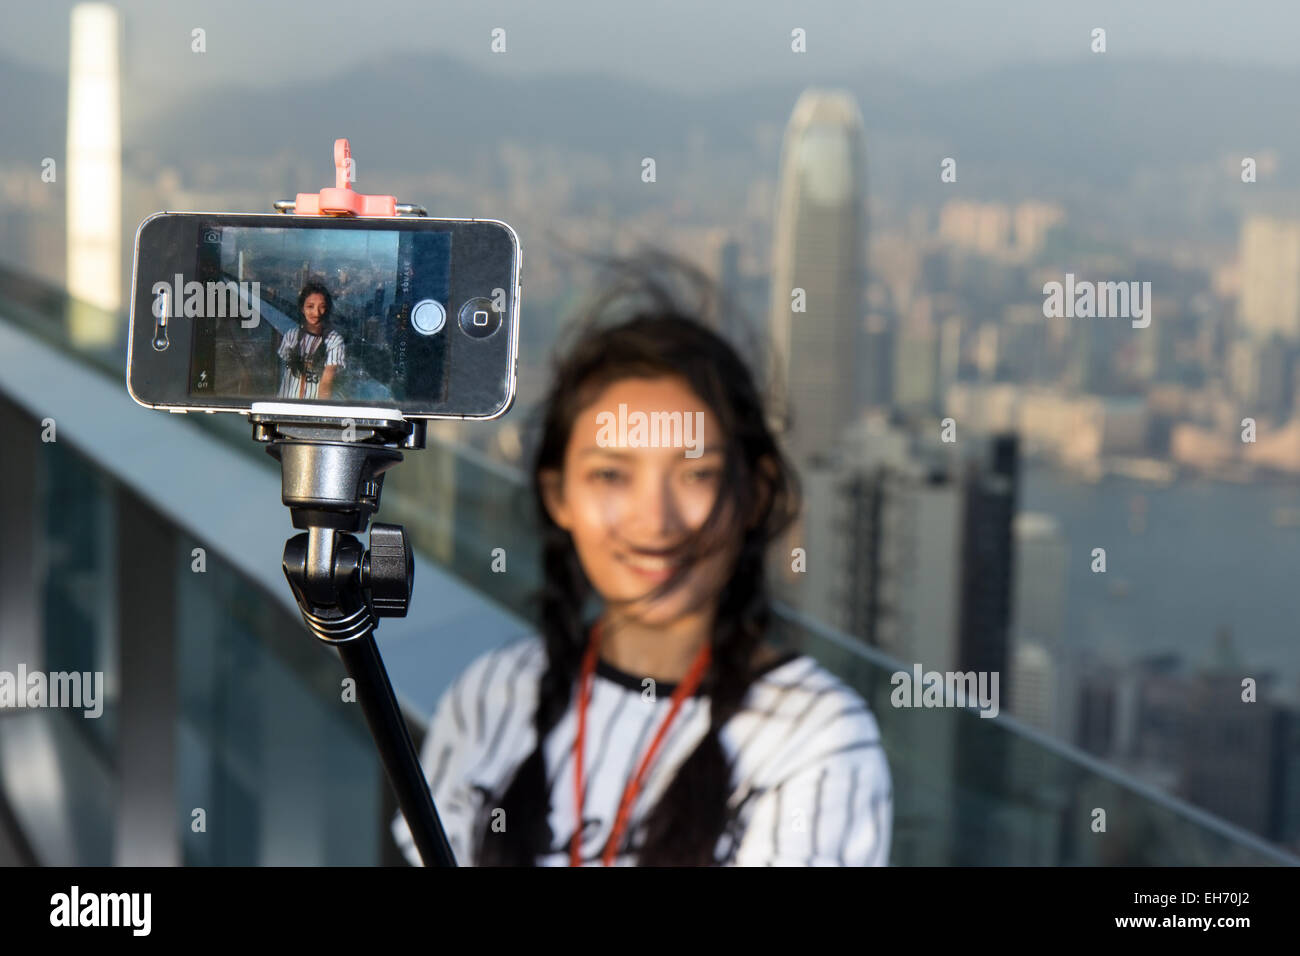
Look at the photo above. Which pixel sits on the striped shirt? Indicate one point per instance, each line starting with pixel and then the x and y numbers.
pixel 808 771
pixel 297 341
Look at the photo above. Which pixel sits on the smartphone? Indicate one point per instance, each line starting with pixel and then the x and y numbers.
pixel 412 314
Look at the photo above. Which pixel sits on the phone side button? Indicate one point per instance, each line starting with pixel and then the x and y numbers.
pixel 179 411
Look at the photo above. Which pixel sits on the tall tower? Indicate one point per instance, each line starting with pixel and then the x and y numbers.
pixel 94 171
pixel 1269 252
pixel 818 247
pixel 1041 696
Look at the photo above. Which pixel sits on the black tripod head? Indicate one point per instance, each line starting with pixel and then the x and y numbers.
pixel 332 472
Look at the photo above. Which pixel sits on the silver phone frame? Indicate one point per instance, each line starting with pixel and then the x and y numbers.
pixel 332 411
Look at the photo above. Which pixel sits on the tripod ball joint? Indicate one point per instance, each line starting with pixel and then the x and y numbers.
pixel 388 570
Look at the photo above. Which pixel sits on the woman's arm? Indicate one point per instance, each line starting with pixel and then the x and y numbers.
pixel 334 361
pixel 466 721
pixel 834 807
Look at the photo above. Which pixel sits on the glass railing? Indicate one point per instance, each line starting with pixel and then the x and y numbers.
pixel 271 767
pixel 282 773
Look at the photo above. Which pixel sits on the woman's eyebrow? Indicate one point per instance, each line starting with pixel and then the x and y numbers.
pixel 599 450
pixel 616 453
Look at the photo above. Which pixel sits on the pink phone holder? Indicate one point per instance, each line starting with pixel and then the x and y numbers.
pixel 341 199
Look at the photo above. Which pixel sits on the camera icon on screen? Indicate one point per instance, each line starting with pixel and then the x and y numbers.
pixel 211 235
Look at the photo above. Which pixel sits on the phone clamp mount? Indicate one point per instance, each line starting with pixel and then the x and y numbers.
pixel 332 464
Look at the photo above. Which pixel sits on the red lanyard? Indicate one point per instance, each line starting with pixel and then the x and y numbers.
pixel 633 787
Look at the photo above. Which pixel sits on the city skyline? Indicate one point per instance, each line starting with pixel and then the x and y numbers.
pixel 939 318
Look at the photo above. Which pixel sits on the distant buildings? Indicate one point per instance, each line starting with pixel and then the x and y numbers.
pixel 1188 730
pixel 1077 431
pixel 996 229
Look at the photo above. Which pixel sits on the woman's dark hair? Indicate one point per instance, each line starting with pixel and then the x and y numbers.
pixel 663 337
pixel 313 286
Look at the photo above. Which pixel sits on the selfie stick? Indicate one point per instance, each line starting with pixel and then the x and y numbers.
pixel 332 464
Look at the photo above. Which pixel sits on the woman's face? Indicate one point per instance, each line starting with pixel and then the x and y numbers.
pixel 628 506
pixel 313 309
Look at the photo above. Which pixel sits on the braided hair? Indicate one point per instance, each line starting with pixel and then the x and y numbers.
pixel 662 338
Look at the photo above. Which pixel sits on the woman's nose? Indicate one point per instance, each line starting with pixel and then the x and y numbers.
pixel 657 510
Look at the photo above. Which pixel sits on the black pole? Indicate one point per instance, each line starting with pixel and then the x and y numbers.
pixel 396 749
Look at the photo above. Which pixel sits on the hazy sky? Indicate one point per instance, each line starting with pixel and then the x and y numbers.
pixel 680 44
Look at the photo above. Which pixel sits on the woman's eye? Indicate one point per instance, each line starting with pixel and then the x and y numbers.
pixel 702 474
pixel 607 475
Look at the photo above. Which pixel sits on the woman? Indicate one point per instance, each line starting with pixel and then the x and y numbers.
pixel 311 353
pixel 672 733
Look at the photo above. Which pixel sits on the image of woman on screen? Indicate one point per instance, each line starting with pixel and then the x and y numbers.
pixel 673 724
pixel 312 353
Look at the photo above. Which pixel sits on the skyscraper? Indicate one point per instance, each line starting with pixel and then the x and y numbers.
pixel 1038 623
pixel 94 171
pixel 818 248
pixel 910 550
pixel 1270 278
pixel 990 484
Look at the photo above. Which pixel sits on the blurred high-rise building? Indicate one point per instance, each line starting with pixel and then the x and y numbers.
pixel 990 481
pixel 1033 221
pixel 909 548
pixel 1270 277
pixel 819 248
pixel 1038 622
pixel 94 172
pixel 1040 565
pixel 916 360
pixel 1259 372
pixel 876 368
pixel 1034 676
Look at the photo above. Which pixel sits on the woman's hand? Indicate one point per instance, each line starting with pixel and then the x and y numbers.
pixel 327 381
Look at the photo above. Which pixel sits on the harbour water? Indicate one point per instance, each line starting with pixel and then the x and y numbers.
pixel 1183 561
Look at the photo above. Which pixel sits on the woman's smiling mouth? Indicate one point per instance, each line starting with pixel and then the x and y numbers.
pixel 656 567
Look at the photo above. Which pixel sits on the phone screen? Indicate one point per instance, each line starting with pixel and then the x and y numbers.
pixel 319 314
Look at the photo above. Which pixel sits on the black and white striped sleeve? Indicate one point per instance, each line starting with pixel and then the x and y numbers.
pixel 288 343
pixel 335 353
pixel 833 806
pixel 466 729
